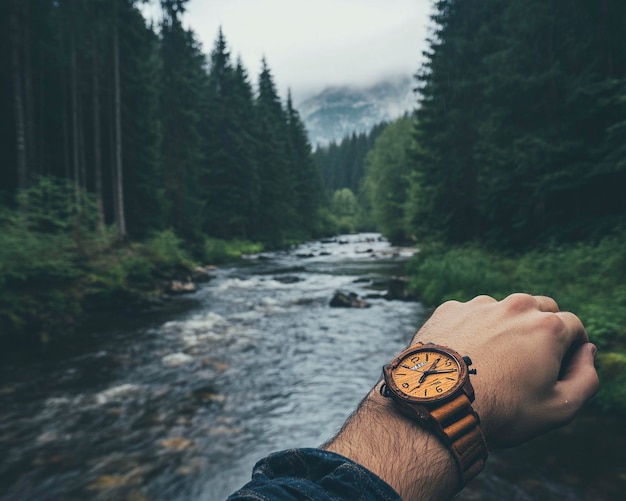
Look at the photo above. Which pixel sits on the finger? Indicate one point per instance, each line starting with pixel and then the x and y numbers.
pixel 579 382
pixel 546 304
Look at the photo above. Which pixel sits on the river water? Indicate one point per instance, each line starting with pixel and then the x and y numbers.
pixel 181 403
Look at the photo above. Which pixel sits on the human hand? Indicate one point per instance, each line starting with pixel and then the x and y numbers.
pixel 535 365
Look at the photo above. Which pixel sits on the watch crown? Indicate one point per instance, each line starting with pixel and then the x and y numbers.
pixel 472 371
pixel 467 360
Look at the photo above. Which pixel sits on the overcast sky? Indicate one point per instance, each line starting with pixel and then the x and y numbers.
pixel 312 44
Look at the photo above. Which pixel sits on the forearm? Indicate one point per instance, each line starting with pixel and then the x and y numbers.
pixel 411 460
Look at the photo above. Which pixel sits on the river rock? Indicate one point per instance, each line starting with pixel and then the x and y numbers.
pixel 116 393
pixel 202 274
pixel 397 288
pixel 106 482
pixel 288 279
pixel 179 287
pixel 208 395
pixel 176 359
pixel 194 465
pixel 305 255
pixel 177 444
pixel 347 300
pixel 225 430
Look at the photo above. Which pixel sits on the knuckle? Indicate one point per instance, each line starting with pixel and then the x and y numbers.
pixel 483 298
pixel 549 302
pixel 448 305
pixel 551 323
pixel 519 302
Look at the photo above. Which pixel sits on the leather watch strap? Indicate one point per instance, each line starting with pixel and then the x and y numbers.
pixel 458 425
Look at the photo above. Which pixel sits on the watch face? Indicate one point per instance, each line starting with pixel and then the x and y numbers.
pixel 425 374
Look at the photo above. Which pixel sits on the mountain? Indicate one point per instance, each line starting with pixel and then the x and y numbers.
pixel 337 112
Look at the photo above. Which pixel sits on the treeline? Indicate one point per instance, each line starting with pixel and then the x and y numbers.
pixel 129 156
pixel 159 134
pixel 521 129
pixel 520 132
pixel 342 164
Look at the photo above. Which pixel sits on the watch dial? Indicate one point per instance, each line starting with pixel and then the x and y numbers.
pixel 426 374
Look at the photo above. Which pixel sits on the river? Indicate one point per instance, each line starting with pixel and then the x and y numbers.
pixel 179 404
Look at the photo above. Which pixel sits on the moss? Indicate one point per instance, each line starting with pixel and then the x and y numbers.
pixel 612 371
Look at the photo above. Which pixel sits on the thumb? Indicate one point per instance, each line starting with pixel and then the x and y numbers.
pixel 579 381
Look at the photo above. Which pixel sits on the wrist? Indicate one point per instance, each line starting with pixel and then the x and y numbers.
pixel 409 458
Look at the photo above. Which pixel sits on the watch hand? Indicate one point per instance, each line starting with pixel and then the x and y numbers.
pixel 444 371
pixel 432 366
pixel 414 368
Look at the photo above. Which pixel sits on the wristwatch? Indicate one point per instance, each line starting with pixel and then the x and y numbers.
pixel 430 384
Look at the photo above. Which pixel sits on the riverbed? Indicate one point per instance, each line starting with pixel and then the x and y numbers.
pixel 180 404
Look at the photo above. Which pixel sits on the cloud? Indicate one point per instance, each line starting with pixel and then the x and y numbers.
pixel 313 44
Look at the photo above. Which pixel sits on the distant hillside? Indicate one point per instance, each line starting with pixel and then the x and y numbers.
pixel 339 111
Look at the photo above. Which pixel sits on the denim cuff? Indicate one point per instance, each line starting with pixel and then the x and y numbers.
pixel 313 474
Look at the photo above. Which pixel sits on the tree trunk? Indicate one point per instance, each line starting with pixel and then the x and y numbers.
pixel 31 153
pixel 97 150
pixel 65 119
pixel 119 209
pixel 75 139
pixel 20 134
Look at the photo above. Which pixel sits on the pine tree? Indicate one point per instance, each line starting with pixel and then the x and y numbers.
pixel 307 182
pixel 182 106
pixel 144 186
pixel 276 213
pixel 445 190
pixel 229 177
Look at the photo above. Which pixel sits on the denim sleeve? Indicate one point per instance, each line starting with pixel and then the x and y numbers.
pixel 312 474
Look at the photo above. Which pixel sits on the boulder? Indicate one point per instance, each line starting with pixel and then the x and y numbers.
pixel 201 274
pixel 287 279
pixel 180 287
pixel 347 300
pixel 397 288
pixel 305 255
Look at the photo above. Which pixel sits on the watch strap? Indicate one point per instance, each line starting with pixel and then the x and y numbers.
pixel 458 425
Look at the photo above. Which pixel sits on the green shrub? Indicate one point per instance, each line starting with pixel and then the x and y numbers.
pixel 438 275
pixel 327 223
pixel 218 251
pixel 55 261
pixel 165 249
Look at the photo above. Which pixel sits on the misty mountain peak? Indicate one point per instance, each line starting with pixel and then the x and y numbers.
pixel 339 111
